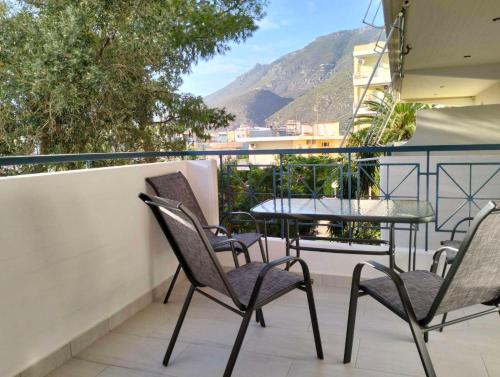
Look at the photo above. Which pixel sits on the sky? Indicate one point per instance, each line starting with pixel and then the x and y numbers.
pixel 288 26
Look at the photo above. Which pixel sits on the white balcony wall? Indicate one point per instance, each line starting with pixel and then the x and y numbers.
pixel 489 96
pixel 76 248
pixel 457 125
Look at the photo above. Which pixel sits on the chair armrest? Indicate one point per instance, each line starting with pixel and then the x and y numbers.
pixel 437 256
pixel 271 265
pixel 241 213
pixel 395 278
pixel 393 275
pixel 455 228
pixel 232 242
pixel 218 229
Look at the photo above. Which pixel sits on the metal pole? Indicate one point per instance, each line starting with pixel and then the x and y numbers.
pixel 221 189
pixel 374 71
pixel 427 187
pixel 281 193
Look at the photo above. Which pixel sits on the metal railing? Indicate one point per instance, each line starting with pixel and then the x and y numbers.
pixel 346 168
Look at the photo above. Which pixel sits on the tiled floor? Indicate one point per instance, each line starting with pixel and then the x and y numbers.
pixel 383 345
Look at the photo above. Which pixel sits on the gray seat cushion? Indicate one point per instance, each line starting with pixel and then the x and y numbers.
pixel 248 239
pixel 276 282
pixel 422 288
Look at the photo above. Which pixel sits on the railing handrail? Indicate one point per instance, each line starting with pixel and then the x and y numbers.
pixel 83 157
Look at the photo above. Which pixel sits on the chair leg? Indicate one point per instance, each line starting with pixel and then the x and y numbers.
pixel 419 338
pixel 178 326
pixel 265 259
pixel 443 321
pixel 172 283
pixel 260 317
pixel 445 314
pixel 351 321
pixel 314 319
pixel 237 344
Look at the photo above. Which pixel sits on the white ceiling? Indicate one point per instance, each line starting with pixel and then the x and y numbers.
pixel 441 33
pixel 449 82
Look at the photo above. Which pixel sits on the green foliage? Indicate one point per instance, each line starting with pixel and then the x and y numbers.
pixel 401 124
pixel 401 127
pixel 245 187
pixel 103 75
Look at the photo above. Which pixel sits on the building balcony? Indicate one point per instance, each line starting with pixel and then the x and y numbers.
pixel 380 79
pixel 84 268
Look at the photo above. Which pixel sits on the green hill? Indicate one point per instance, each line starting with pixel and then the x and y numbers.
pixel 312 83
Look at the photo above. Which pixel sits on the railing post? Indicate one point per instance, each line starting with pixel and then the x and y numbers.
pixel 314 183
pixel 349 176
pixel 281 193
pixel 221 188
pixel 427 186
pixel 88 164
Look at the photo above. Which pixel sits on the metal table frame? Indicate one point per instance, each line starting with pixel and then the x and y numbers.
pixel 292 242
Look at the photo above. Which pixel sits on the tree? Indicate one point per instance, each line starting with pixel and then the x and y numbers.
pixel 104 75
pixel 400 126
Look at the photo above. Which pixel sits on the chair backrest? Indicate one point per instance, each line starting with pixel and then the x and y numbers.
pixel 175 186
pixel 190 244
pixel 474 277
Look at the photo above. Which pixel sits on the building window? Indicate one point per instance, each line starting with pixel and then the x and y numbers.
pixel 325 144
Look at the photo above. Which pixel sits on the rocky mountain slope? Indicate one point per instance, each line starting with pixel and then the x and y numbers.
pixel 313 83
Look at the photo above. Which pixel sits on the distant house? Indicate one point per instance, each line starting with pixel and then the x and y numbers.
pixel 318 135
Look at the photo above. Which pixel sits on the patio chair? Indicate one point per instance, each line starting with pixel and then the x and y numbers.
pixel 418 296
pixel 452 245
pixel 176 187
pixel 451 249
pixel 249 287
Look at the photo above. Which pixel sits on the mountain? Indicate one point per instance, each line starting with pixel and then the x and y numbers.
pixel 256 105
pixel 313 83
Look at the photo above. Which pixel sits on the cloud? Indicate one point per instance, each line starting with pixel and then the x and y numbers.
pixel 267 24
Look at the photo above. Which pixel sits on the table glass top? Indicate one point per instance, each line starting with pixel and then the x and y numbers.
pixel 397 211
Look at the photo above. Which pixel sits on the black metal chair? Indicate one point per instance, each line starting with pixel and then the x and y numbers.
pixel 176 187
pixel 418 296
pixel 250 286
pixel 452 245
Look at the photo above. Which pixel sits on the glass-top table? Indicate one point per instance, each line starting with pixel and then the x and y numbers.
pixel 390 212
pixel 364 210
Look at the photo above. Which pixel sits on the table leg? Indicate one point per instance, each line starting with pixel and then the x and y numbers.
pixel 287 242
pixel 297 235
pixel 415 248
pixel 392 248
pixel 265 240
pixel 410 247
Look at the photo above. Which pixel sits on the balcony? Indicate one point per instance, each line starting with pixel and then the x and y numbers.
pixel 84 265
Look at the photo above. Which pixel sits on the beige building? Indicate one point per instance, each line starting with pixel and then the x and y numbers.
pixel 321 129
pixel 365 59
pixel 287 142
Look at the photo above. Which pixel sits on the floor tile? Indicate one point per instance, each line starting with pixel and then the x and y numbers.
pixel 130 351
pixel 383 345
pixel 323 369
pixel 210 361
pixel 492 364
pixel 78 368
pixel 127 372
